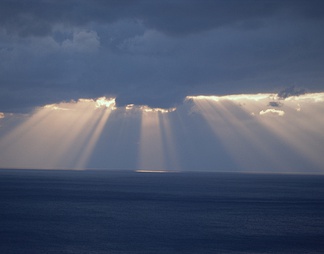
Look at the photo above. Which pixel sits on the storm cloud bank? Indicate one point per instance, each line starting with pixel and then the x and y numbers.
pixel 156 52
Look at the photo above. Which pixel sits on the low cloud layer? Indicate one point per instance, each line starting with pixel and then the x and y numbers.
pixel 156 52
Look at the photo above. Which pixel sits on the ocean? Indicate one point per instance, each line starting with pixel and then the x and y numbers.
pixel 48 211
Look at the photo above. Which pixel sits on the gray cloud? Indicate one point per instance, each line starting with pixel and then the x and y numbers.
pixel 275 104
pixel 291 91
pixel 156 52
pixel 37 17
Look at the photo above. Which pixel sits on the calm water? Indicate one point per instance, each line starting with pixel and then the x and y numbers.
pixel 127 212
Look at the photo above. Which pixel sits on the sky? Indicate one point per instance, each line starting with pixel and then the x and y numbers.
pixel 150 84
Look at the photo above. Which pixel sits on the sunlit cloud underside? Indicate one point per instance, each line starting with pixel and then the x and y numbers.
pixel 246 132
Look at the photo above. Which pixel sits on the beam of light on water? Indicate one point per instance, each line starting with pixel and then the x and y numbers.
pixel 154 171
pixel 156 149
pixel 78 124
pixel 151 147
pixel 252 133
pixel 169 142
pixel 258 132
pixel 229 124
pixel 301 126
pixel 55 136
pixel 95 135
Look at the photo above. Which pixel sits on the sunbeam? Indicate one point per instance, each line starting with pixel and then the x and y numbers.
pixel 154 139
pixel 57 136
pixel 255 129
pixel 301 131
pixel 247 132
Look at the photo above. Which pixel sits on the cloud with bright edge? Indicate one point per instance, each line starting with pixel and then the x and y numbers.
pixel 215 133
pixel 272 111
pixel 140 54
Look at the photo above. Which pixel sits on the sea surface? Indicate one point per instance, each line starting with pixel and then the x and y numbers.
pixel 48 211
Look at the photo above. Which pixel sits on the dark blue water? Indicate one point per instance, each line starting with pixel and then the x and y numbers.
pixel 127 212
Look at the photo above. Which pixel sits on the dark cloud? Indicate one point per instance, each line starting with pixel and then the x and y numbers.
pixel 37 17
pixel 291 91
pixel 275 104
pixel 156 52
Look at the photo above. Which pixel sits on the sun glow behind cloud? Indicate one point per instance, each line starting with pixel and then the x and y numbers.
pixel 256 131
